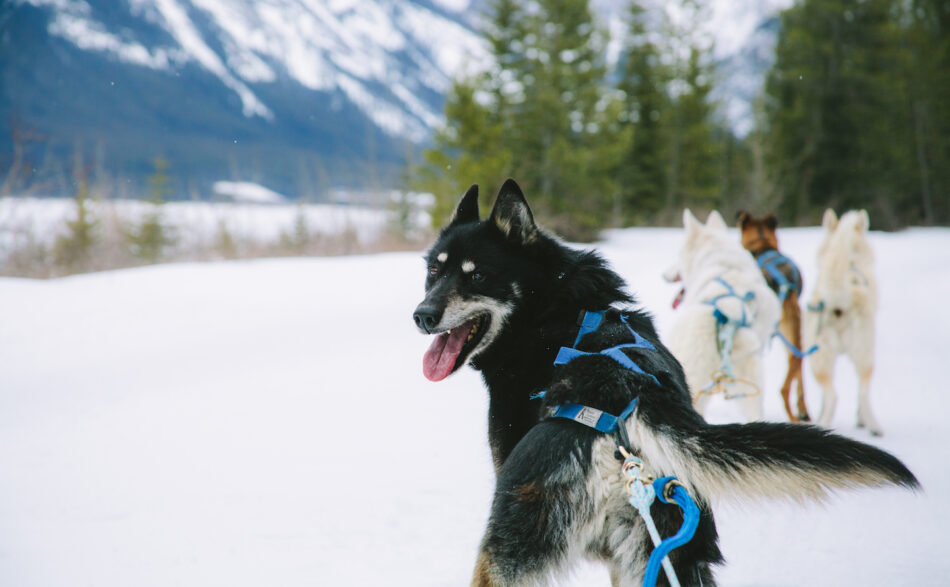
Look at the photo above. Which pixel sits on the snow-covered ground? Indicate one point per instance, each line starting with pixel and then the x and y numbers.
pixel 267 423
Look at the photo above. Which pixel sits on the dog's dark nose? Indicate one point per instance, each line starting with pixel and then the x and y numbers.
pixel 426 317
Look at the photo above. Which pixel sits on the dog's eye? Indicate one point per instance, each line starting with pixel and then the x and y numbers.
pixel 478 277
pixel 433 270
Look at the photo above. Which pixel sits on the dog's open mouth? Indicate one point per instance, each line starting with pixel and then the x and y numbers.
pixel 450 349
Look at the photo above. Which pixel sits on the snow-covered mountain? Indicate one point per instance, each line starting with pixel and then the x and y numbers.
pixel 391 58
pixel 361 76
pixel 742 34
pixel 300 95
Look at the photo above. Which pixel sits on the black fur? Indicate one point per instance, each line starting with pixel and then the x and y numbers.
pixel 543 503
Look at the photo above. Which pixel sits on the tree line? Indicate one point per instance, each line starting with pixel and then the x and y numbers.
pixel 853 113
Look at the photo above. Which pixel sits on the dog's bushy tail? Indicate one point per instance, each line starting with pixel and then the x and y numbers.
pixel 771 460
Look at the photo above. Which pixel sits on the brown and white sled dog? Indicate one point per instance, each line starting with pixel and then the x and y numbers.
pixel 782 275
pixel 504 296
pixel 726 301
pixel 840 316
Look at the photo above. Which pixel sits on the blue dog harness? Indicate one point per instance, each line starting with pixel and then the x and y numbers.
pixel 724 378
pixel 770 262
pixel 591 323
pixel 721 318
pixel 598 419
pixel 641 488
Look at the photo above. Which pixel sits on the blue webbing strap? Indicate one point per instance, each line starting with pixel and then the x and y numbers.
pixel 590 323
pixel 592 417
pixel 599 420
pixel 770 261
pixel 566 355
pixel 730 293
pixel 681 498
pixel 794 349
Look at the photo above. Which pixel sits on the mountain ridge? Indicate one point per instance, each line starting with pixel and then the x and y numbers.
pixel 301 95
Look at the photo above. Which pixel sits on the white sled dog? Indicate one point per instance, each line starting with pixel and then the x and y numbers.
pixel 727 314
pixel 840 316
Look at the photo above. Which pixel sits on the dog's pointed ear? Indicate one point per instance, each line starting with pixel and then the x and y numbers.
pixel 716 221
pixel 742 218
pixel 830 220
pixel 467 209
pixel 770 221
pixel 511 214
pixel 690 222
pixel 864 221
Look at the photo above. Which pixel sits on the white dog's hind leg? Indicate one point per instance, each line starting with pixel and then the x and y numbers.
pixel 748 370
pixel 823 368
pixel 865 416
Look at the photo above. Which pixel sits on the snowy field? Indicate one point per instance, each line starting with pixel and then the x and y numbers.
pixel 267 423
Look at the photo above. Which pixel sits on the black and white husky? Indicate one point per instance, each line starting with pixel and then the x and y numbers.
pixel 504 296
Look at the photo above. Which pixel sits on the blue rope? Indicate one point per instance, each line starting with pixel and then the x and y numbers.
pixel 794 349
pixel 681 498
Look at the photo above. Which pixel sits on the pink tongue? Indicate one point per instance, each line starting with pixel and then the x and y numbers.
pixel 679 298
pixel 439 360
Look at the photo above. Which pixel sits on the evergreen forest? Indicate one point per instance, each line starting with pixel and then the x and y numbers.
pixel 853 113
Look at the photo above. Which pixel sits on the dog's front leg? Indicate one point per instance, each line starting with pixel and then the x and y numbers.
pixel 528 533
pixel 541 498
pixel 484 576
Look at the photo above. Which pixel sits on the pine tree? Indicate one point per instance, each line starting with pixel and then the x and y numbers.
pixel 695 152
pixel 839 127
pixel 644 171
pixel 928 41
pixel 543 115
pixel 567 145
pixel 469 149
pixel 150 239
pixel 73 250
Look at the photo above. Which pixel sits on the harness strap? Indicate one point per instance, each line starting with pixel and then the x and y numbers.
pixel 724 377
pixel 590 323
pixel 769 262
pixel 566 355
pixel 730 293
pixel 794 349
pixel 599 420
pixel 641 490
pixel 820 309
pixel 857 272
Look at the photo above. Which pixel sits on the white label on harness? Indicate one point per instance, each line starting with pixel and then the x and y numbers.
pixel 588 416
